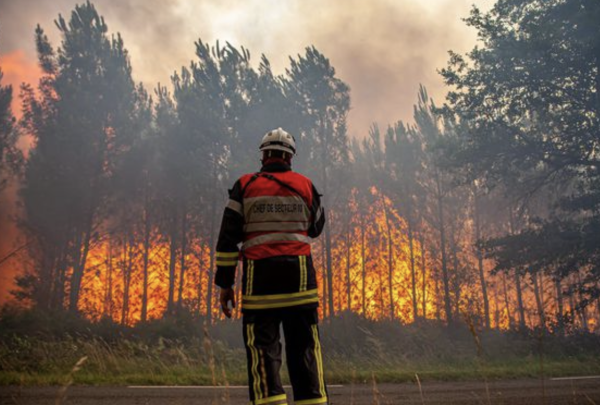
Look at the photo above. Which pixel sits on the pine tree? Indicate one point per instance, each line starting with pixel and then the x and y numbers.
pixel 82 125
pixel 325 101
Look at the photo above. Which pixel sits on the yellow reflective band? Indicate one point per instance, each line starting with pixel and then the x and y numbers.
pixel 280 300
pixel 303 273
pixel 228 255
pixel 319 358
pixel 263 372
pixel 281 296
pixel 226 262
pixel 279 304
pixel 254 362
pixel 314 401
pixel 270 400
pixel 249 277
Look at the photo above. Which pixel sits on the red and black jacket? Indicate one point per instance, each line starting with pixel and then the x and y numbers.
pixel 273 214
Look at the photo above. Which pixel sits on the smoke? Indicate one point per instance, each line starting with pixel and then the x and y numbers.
pixel 382 48
pixel 17 67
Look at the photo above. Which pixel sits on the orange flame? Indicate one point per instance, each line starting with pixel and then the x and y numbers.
pixel 366 235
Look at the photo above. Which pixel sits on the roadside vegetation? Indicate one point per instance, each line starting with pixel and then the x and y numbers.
pixel 43 349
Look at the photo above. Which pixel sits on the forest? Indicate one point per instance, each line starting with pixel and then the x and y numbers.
pixel 484 209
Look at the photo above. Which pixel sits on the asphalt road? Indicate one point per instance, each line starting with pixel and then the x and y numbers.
pixel 514 392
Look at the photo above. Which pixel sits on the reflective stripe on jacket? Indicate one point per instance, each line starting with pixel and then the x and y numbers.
pixel 276 218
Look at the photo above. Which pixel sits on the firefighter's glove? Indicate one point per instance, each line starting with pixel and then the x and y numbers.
pixel 227 295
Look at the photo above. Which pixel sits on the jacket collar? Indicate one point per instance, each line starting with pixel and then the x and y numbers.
pixel 275 167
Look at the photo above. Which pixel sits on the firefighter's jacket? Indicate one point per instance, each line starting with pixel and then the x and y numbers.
pixel 272 214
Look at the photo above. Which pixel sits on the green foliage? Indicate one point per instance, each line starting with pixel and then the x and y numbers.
pixel 84 125
pixel 528 99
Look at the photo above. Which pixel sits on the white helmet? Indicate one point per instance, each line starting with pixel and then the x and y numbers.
pixel 278 139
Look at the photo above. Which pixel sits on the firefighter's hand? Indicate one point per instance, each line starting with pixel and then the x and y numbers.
pixel 227 295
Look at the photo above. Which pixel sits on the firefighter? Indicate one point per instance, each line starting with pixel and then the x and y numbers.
pixel 273 214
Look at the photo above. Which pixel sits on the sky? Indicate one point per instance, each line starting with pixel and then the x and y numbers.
pixel 383 49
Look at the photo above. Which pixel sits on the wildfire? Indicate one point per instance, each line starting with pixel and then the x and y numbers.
pixel 372 274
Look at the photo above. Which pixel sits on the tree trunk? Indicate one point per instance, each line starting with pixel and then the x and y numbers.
pixel 381 293
pixel 50 264
pixel 58 300
pixel 539 299
pixel 172 263
pixel 146 255
pixel 199 285
pixel 520 306
pixel 182 260
pixel 496 309
pixel 445 278
pixel 79 269
pixel 348 269
pixel 559 306
pixel 390 258
pixel 482 281
pixel 438 310
pixel 108 293
pixel 572 309
pixel 582 311
pixel 455 268
pixel 507 302
pixel 423 275
pixel 212 244
pixel 324 277
pixel 323 127
pixel 411 247
pixel 328 267
pixel 364 267
pixel 127 266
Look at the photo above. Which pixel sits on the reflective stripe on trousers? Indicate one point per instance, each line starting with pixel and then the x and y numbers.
pixel 280 300
pixel 303 355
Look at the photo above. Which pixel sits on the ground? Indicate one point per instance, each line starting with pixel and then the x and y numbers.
pixel 509 392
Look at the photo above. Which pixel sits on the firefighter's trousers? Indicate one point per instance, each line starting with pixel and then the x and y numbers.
pixel 303 355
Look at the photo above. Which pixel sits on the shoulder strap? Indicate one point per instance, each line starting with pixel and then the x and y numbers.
pixel 276 180
pixel 254 177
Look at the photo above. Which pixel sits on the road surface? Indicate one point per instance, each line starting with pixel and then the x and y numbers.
pixel 514 392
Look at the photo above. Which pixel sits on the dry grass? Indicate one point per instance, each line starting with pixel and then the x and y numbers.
pixel 46 362
pixel 388 352
pixel 376 393
pixel 62 391
pixel 481 360
pixel 420 388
